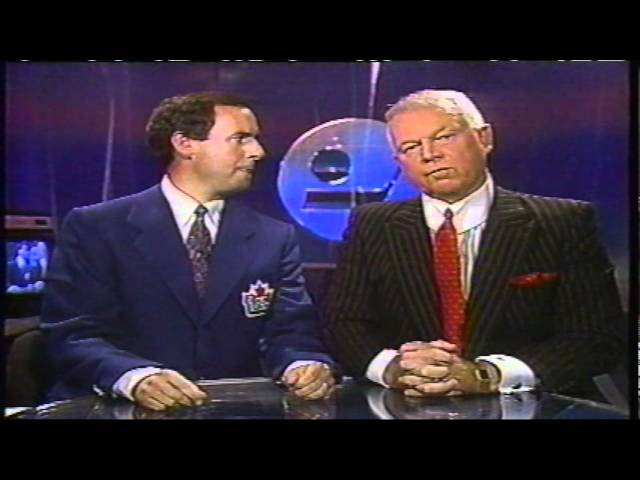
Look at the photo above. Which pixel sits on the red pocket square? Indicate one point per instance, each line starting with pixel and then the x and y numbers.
pixel 534 279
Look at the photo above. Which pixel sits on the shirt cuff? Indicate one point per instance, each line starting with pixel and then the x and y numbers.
pixel 125 384
pixel 515 375
pixel 375 370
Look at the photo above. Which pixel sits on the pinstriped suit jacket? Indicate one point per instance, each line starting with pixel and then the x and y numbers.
pixel 567 330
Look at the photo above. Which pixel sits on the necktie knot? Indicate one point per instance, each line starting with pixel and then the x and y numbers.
pixel 200 212
pixel 448 214
pixel 447 227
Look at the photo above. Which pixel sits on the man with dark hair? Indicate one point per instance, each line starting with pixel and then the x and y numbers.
pixel 193 115
pixel 150 292
pixel 471 288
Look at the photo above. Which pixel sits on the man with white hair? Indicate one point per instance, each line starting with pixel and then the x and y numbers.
pixel 470 288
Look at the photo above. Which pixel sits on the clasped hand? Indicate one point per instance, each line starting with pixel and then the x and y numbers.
pixel 310 382
pixel 433 369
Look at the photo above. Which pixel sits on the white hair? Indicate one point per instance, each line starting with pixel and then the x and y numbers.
pixel 451 102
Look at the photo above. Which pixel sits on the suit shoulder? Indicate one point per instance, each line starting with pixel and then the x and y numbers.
pixel 114 207
pixel 381 211
pixel 552 208
pixel 265 221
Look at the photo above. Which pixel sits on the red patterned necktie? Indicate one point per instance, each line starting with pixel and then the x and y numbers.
pixel 447 270
pixel 199 248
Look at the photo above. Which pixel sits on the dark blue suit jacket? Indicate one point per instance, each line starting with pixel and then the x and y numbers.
pixel 120 295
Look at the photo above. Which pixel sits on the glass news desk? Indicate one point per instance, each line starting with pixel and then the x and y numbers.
pixel 260 398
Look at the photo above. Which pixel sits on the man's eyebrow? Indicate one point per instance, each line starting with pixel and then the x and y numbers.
pixel 244 134
pixel 440 130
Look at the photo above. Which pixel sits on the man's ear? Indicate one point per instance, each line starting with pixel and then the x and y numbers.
pixel 485 134
pixel 183 145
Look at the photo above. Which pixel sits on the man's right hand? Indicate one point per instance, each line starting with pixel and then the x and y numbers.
pixel 424 368
pixel 165 389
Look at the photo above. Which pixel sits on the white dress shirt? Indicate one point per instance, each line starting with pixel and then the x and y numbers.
pixel 469 219
pixel 183 208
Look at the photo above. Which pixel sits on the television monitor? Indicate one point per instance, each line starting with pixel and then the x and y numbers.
pixel 29 243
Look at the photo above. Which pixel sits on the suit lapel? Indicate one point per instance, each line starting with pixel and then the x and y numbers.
pixel 504 240
pixel 158 240
pixel 231 256
pixel 410 253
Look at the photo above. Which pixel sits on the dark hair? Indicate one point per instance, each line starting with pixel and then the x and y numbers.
pixel 192 114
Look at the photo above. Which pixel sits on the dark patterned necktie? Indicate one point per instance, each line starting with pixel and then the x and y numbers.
pixel 199 248
pixel 447 270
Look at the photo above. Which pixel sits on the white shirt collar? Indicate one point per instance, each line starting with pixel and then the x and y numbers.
pixel 183 206
pixel 468 212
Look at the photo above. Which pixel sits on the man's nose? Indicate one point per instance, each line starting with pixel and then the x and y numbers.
pixel 426 149
pixel 256 150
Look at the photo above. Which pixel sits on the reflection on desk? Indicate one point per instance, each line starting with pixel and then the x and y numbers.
pixel 392 405
pixel 260 398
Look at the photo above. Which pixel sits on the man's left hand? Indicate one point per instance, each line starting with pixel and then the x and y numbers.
pixel 471 378
pixel 310 382
pixel 425 377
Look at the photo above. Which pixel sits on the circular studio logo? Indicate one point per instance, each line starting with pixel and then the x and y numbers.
pixel 335 167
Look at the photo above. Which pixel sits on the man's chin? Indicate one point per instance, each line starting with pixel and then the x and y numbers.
pixel 237 189
pixel 449 195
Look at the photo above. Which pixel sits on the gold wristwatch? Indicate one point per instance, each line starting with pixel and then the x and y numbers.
pixel 488 377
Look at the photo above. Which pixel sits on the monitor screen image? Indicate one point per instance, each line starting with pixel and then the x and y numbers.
pixel 27 263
